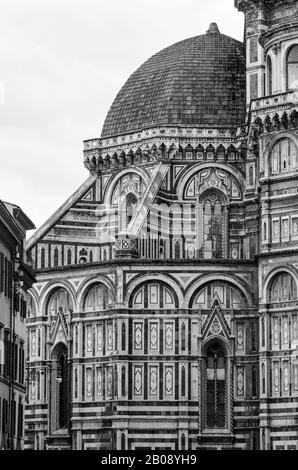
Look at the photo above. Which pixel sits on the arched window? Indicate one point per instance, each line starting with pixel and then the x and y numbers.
pixel 69 256
pixel 131 203
pixel 265 231
pixel 215 387
pixel 123 381
pixel 263 379
pixel 56 256
pixel 183 337
pixel 269 75
pixel 283 288
pixel 251 176
pixel 38 343
pixel 292 68
pixel 161 248
pixel 60 299
pixel 98 298
pixel 182 442
pixel 62 392
pixel 116 335
pixel 177 249
pixel 60 389
pixel 76 383
pixel 183 381
pixel 263 331
pixel 254 381
pixel 123 337
pixel 42 258
pixel 76 339
pixel 123 441
pixel 284 156
pixel 38 384
pixel 91 256
pixel 213 226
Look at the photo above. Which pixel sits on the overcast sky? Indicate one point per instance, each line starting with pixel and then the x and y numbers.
pixel 61 64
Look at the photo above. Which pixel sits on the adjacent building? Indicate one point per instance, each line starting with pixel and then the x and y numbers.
pixel 165 310
pixel 16 277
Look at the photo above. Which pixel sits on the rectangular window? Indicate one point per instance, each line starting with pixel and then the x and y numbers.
pixel 7 354
pixel 1 272
pixel 254 381
pixel 253 49
pixel 4 415
pixel 15 360
pixel 253 86
pixel 20 419
pixel 13 417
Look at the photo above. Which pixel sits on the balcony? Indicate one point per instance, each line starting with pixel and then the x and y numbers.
pixel 287 100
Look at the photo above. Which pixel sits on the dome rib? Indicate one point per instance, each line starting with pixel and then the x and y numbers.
pixel 197 82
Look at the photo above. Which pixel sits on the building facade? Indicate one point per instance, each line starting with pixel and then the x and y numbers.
pixel 165 310
pixel 16 278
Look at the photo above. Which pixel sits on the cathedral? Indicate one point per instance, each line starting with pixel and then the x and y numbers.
pixel 164 313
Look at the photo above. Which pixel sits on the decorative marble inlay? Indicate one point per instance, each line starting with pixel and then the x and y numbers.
pixel 33 344
pixel 275 331
pixel 89 382
pixel 138 380
pixel 286 330
pixel 109 381
pixel 138 336
pixel 240 338
pixel 169 336
pixel 169 380
pixel 110 337
pixel 89 339
pixel 153 374
pixel 286 378
pixel 99 381
pixel 99 337
pixel 153 336
pixel 276 378
pixel 240 382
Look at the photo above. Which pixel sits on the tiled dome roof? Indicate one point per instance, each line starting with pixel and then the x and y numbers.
pixel 196 82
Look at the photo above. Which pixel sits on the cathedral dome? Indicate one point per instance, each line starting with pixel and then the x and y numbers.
pixel 196 82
